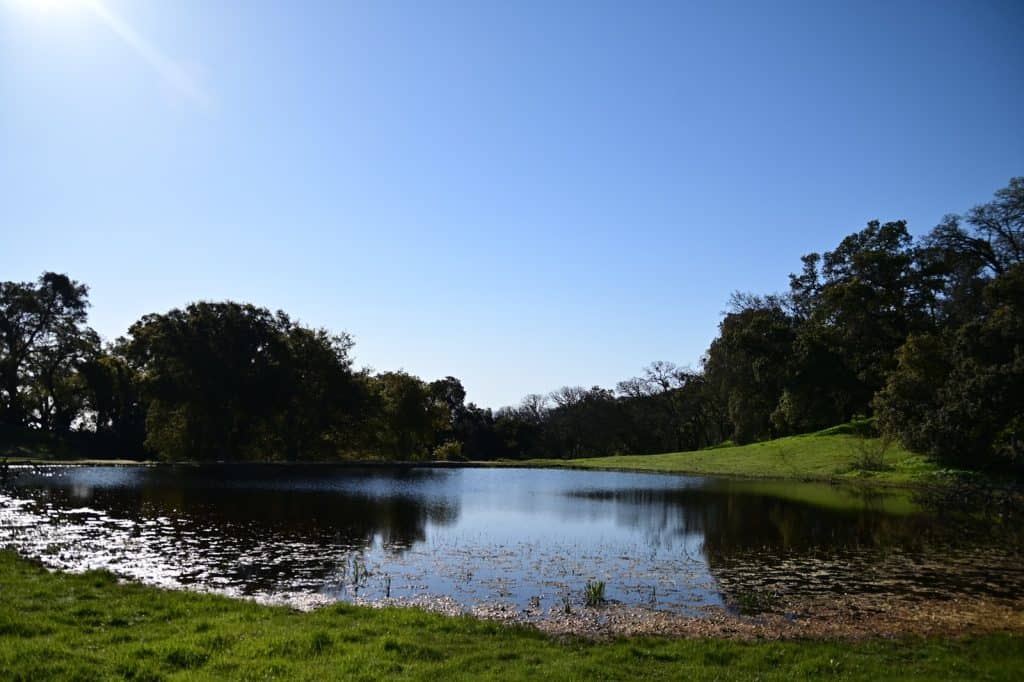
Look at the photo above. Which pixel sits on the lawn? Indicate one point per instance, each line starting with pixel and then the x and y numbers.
pixel 90 627
pixel 833 454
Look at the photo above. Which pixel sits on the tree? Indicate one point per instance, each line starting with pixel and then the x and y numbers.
pixel 965 260
pixel 998 237
pixel 43 343
pixel 320 401
pixel 959 395
pixel 584 422
pixel 408 419
pixel 114 402
pixel 746 364
pixel 871 298
pixel 669 408
pixel 233 381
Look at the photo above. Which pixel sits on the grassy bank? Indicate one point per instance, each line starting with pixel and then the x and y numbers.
pixel 838 453
pixel 89 627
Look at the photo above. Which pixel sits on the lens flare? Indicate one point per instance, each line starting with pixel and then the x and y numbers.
pixel 169 71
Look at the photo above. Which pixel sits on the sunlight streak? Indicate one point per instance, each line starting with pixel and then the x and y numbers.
pixel 169 71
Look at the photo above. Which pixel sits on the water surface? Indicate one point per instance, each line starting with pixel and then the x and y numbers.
pixel 524 540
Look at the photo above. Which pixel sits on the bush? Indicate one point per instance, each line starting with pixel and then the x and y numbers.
pixel 449 451
pixel 870 453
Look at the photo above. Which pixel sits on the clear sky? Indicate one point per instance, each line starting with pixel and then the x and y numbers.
pixel 521 194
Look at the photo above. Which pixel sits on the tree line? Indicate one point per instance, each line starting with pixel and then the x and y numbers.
pixel 926 335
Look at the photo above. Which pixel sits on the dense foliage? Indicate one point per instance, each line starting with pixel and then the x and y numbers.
pixel 927 335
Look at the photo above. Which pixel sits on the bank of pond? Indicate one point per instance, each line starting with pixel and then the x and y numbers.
pixel 89 626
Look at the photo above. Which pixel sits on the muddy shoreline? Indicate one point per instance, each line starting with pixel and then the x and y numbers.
pixel 843 618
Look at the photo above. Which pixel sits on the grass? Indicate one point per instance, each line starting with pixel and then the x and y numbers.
pixel 89 627
pixel 839 453
pixel 594 593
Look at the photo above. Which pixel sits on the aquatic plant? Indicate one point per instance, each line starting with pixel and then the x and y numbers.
pixel 594 593
pixel 354 572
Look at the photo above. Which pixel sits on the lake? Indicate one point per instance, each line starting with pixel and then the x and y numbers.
pixel 522 541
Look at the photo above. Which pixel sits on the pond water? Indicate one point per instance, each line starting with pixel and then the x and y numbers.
pixel 522 540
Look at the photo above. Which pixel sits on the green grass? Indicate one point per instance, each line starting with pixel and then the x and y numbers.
pixel 89 627
pixel 827 455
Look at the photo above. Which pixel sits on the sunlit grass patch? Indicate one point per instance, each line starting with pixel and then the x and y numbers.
pixel 841 453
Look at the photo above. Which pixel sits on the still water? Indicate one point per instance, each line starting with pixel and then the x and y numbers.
pixel 525 540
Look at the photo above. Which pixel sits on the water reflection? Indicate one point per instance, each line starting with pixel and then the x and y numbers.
pixel 519 536
pixel 301 503
pixel 738 518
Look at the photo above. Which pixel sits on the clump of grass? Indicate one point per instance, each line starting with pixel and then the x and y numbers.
pixel 319 642
pixel 594 593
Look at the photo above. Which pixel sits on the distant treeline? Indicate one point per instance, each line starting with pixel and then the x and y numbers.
pixel 927 335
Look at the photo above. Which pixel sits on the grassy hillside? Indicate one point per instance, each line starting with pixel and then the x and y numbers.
pixel 836 453
pixel 89 627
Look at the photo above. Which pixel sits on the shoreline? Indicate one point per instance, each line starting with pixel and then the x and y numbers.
pixel 935 480
pixel 89 626
pixel 844 618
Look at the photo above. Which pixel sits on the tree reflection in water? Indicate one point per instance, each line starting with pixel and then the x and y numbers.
pixel 516 535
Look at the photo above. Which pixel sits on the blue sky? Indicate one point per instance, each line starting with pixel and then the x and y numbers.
pixel 524 195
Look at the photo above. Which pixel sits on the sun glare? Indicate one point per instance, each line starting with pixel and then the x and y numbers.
pixel 171 72
pixel 47 5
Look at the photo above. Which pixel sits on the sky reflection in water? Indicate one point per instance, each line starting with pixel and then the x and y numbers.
pixel 525 538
